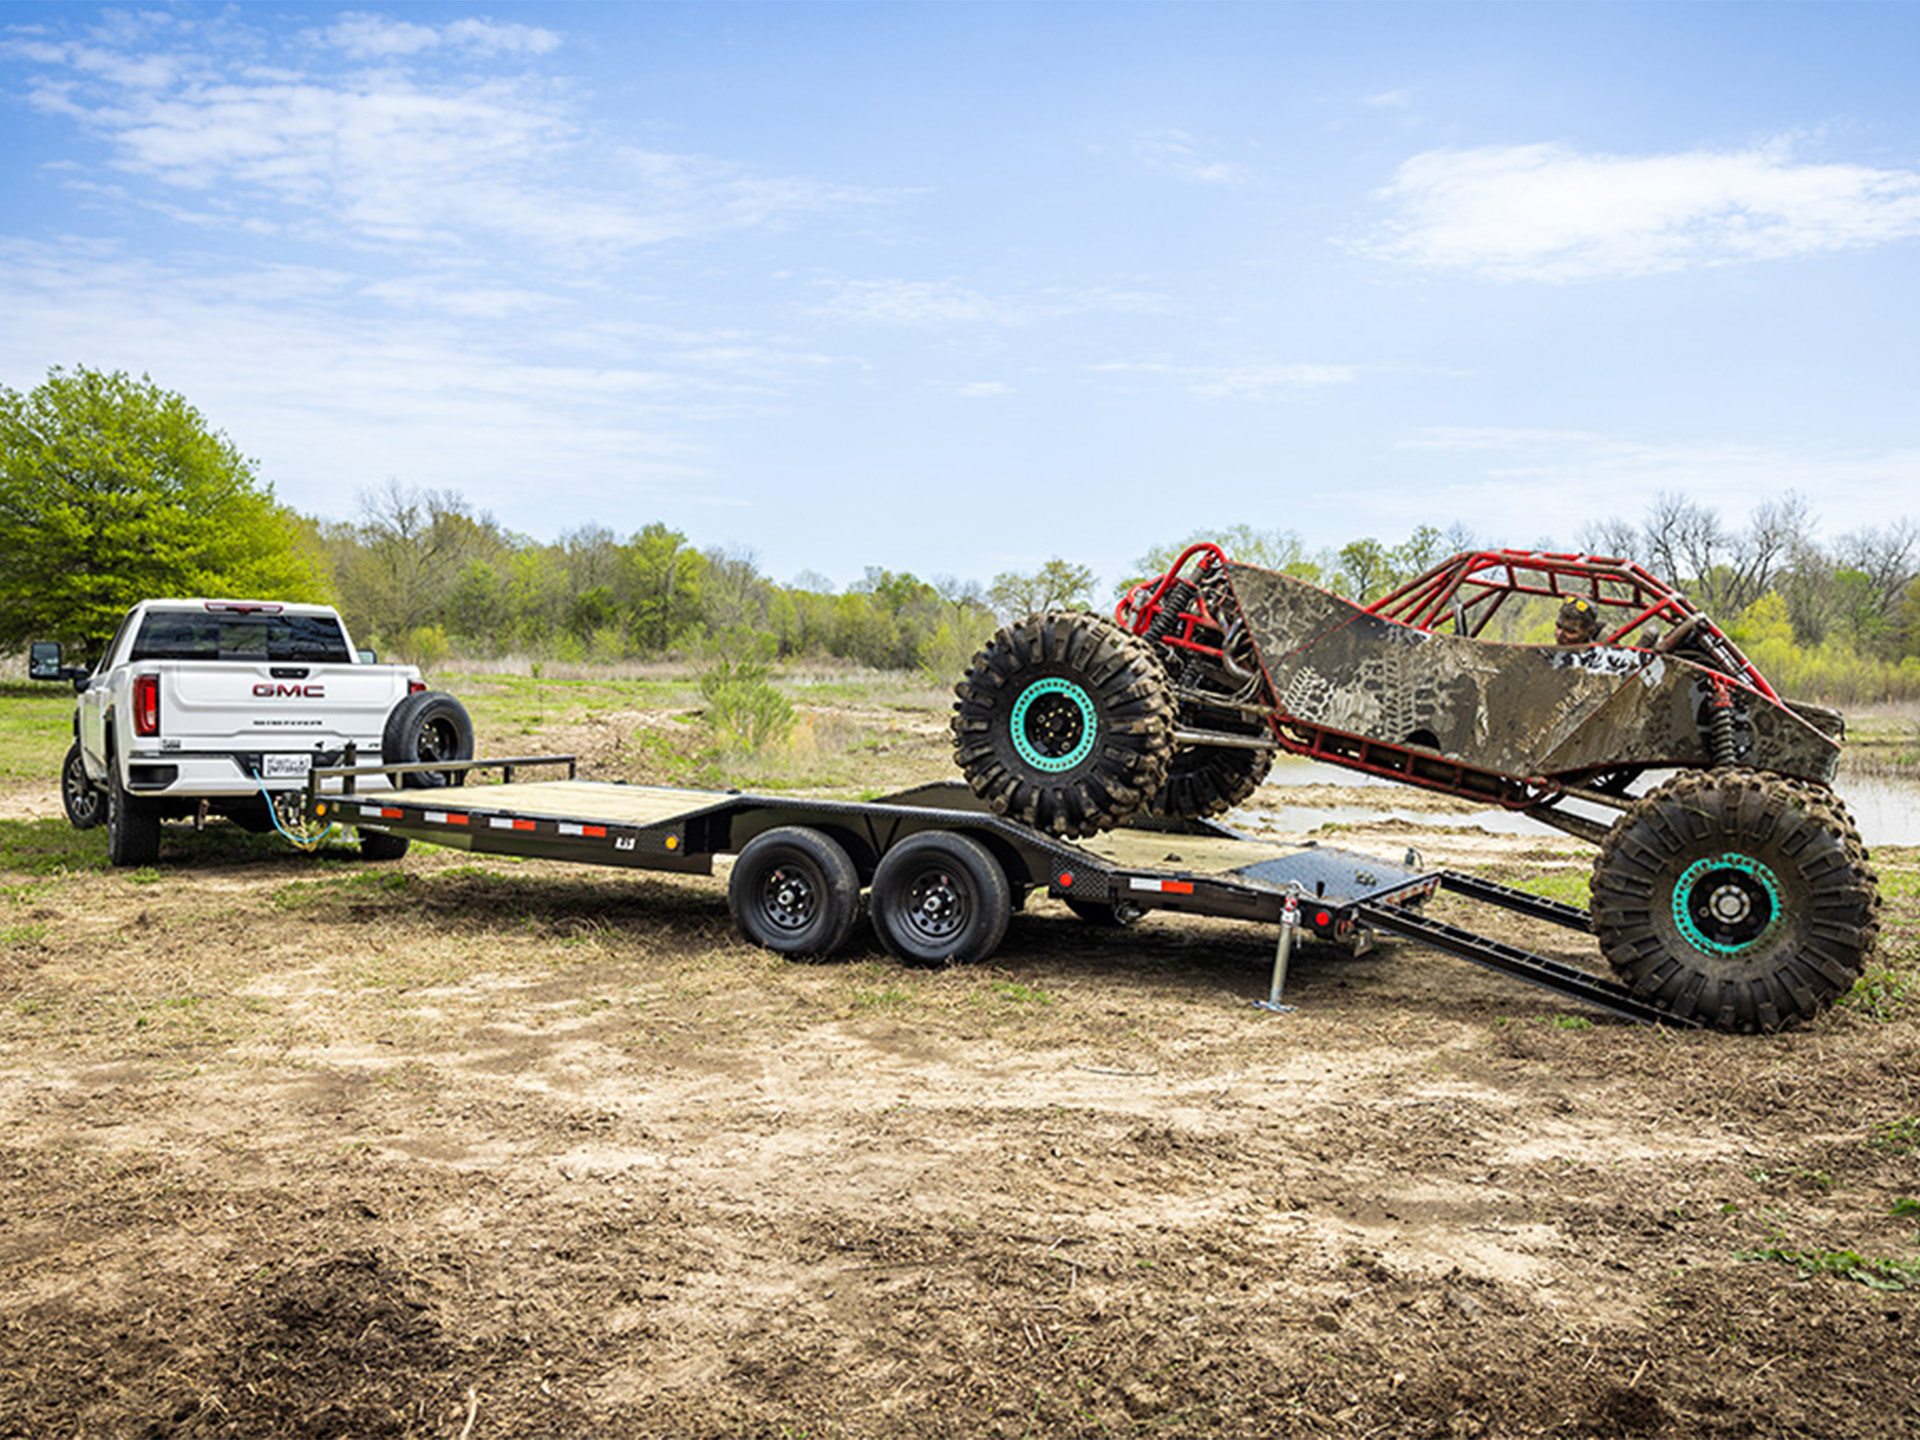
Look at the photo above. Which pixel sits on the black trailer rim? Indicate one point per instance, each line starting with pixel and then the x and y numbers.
pixel 790 898
pixel 936 904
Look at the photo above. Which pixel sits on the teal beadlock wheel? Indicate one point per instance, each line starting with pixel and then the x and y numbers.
pixel 1054 725
pixel 1065 723
pixel 1734 898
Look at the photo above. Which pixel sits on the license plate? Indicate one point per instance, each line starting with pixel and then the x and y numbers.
pixel 287 767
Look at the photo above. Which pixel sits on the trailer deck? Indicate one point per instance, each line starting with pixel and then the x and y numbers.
pixel 942 871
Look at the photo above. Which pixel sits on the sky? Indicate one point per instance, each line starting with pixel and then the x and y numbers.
pixel 957 288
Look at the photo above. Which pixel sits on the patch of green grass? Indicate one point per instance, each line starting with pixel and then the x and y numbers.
pixel 1875 1272
pixel 36 727
pixel 50 847
pixel 1905 1205
pixel 1012 994
pixel 300 894
pixel 1897 1137
pixel 1571 1022
pixel 879 1001
pixel 1879 994
pixel 22 935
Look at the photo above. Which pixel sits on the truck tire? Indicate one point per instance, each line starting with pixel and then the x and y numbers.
pixel 422 728
pixel 794 891
pixel 1065 723
pixel 85 802
pixel 133 825
pixel 1728 897
pixel 940 899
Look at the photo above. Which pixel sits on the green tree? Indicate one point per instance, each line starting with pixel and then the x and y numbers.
pixel 112 491
pixel 1056 585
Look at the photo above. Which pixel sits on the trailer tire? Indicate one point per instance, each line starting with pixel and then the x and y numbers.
pixel 381 846
pixel 1064 722
pixel 794 891
pixel 133 826
pixel 85 802
pixel 1727 896
pixel 422 728
pixel 940 898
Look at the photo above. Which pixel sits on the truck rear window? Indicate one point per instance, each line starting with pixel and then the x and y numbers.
pixel 196 635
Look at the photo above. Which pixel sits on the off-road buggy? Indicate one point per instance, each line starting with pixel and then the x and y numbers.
pixel 1736 891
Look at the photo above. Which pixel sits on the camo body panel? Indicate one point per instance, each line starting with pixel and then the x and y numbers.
pixel 1516 710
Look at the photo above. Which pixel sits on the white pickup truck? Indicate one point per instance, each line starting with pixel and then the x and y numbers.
pixel 222 707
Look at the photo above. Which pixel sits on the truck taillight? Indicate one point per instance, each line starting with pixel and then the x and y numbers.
pixel 414 687
pixel 146 705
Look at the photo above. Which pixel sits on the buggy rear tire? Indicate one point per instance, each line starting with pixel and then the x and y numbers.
pixel 794 891
pixel 84 801
pixel 1732 898
pixel 1207 779
pixel 940 898
pixel 1065 723
pixel 422 728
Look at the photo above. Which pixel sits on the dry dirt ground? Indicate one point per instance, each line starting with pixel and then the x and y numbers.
pixel 302 1147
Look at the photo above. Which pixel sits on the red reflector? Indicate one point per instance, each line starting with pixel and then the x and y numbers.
pixel 414 687
pixel 388 814
pixel 1176 887
pixel 523 824
pixel 1066 879
pixel 1322 919
pixel 456 819
pixel 146 705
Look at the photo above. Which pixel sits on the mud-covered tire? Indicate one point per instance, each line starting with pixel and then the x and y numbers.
pixel 1207 779
pixel 423 728
pixel 1735 899
pixel 379 845
pixel 85 802
pixel 133 825
pixel 940 898
pixel 794 891
pixel 1065 723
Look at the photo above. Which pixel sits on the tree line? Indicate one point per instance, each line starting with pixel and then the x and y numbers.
pixel 113 490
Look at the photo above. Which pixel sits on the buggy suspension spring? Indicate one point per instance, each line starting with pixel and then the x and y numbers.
pixel 1723 742
pixel 1179 595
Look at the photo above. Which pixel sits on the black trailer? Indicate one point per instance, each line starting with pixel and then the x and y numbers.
pixel 942 874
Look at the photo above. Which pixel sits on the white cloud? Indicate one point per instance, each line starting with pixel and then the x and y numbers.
pixel 1254 381
pixel 933 303
pixel 1174 152
pixel 388 157
pixel 1547 212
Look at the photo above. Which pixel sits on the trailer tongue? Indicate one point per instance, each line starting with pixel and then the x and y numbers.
pixel 943 872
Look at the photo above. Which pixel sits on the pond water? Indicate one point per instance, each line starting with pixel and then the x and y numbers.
pixel 1886 807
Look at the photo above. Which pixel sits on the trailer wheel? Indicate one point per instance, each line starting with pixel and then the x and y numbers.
pixel 794 891
pixel 1064 722
pixel 85 802
pixel 940 899
pixel 422 728
pixel 133 826
pixel 379 845
pixel 1729 897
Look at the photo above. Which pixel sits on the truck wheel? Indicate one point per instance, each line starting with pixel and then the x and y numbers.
pixel 1065 723
pixel 794 891
pixel 423 728
pixel 1727 897
pixel 379 845
pixel 133 826
pixel 86 802
pixel 940 899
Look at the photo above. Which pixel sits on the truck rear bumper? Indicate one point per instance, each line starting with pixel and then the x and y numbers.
pixel 215 776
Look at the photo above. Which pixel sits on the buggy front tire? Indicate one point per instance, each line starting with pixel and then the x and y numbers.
pixel 1727 897
pixel 1065 723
